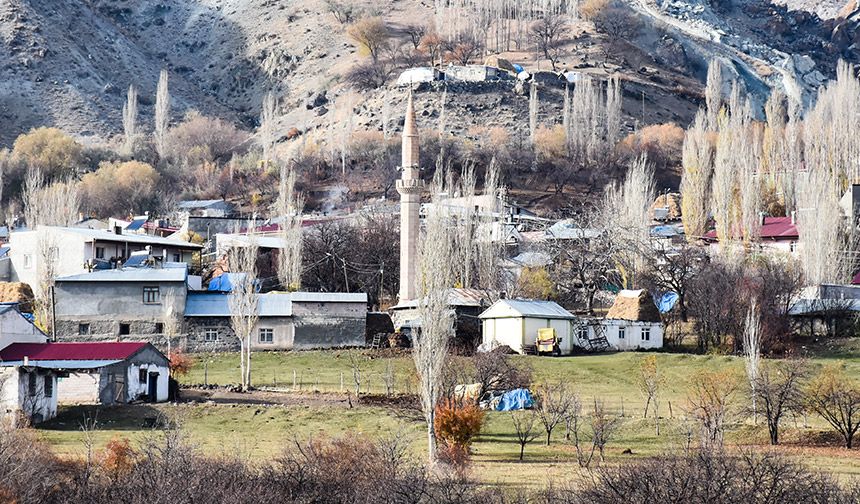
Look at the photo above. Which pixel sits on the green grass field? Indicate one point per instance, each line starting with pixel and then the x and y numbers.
pixel 262 431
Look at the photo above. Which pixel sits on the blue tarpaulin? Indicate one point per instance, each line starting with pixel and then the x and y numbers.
pixel 515 400
pixel 225 281
pixel 518 68
pixel 667 302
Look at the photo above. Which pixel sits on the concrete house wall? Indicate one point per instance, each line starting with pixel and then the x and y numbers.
pixel 632 334
pixel 26 260
pixel 106 305
pixel 15 398
pixel 14 328
pixel 283 334
pixel 79 388
pixel 322 324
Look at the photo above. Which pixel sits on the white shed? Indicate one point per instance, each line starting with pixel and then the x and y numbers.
pixel 15 328
pixel 515 323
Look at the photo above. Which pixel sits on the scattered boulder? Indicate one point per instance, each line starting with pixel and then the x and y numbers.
pixel 669 52
pixel 317 99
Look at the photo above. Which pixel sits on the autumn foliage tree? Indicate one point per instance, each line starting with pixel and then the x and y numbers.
pixel 456 425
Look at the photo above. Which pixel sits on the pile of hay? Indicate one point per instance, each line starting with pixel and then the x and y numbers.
pixel 635 305
pixel 500 63
pixel 17 292
pixel 669 201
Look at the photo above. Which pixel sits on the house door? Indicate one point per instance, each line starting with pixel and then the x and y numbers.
pixel 153 387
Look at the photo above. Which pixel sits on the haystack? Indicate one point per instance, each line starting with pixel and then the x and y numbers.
pixel 501 63
pixel 634 305
pixel 669 201
pixel 17 292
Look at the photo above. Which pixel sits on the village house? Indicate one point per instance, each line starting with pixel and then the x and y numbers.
pixel 466 304
pixel 94 373
pixel 777 234
pixel 77 250
pixel 119 304
pixel 633 322
pixel 206 208
pixel 27 393
pixel 295 320
pixel 517 322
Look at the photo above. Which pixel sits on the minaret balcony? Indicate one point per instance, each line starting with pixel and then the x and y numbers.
pixel 410 186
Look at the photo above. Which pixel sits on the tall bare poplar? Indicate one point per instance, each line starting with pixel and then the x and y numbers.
pixel 752 349
pixel 823 243
pixel 697 170
pixel 714 92
pixel 162 115
pixel 288 208
pixel 533 110
pixel 242 261
pixel 129 118
pixel 430 347
pixel 267 126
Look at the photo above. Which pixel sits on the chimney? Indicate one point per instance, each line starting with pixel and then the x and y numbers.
pixel 503 295
pixel 793 217
pixel 26 361
pixel 761 218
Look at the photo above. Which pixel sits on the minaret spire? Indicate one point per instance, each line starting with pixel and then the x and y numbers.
pixel 410 186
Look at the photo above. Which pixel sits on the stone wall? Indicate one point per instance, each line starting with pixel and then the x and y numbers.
pixel 108 330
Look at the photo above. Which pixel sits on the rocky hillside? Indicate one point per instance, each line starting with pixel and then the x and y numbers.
pixel 69 63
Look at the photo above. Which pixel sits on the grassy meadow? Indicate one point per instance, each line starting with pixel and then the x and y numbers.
pixel 317 406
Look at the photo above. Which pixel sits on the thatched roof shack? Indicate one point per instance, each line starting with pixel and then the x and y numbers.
pixel 17 292
pixel 634 305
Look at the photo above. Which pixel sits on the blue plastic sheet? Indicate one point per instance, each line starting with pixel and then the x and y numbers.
pixel 515 400
pixel 667 302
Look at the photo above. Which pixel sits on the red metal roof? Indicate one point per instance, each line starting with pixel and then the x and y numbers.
pixel 71 351
pixel 774 228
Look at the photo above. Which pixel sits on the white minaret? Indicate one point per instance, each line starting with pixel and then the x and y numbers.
pixel 410 186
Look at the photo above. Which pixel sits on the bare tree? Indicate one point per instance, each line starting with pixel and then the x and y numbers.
pixel 242 261
pixel 778 389
pixel 267 126
pixel 162 115
pixel 372 36
pixel 430 347
pixel 288 208
pixel 649 383
pixel 129 118
pixel 823 237
pixel 553 402
pixel 548 34
pixel 356 364
pixel 525 423
pixel 752 351
pixel 709 398
pixel 603 427
pixel 713 93
pixel 697 170
pixel 835 397
pixel 533 110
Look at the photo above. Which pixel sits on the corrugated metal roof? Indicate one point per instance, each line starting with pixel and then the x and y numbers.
pixel 328 297
pixel 62 364
pixel 506 308
pixel 199 203
pixel 71 351
pixel 456 297
pixel 130 275
pixel 209 304
pixel 774 228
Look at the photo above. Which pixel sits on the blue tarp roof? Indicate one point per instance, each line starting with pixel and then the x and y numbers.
pixel 666 302
pixel 516 399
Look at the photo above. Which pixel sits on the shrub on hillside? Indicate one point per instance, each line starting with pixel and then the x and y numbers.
pixel 119 188
pixel 54 153
pixel 199 138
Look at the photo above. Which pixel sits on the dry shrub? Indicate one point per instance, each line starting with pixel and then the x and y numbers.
pixel 535 283
pixel 118 457
pixel 120 188
pixel 456 425
pixel 199 138
pixel 551 142
pixel 589 9
pixel 50 150
pixel 180 363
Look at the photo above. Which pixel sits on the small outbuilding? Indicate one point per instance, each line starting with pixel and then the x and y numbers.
pixel 633 322
pixel 96 373
pixel 516 322
pixel 27 394
pixel 16 328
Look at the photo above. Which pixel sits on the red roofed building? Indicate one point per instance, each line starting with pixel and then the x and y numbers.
pixel 99 372
pixel 778 233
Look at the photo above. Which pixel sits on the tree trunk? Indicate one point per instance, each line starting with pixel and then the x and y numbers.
pixel 431 440
pixel 548 436
pixel 522 450
pixel 682 307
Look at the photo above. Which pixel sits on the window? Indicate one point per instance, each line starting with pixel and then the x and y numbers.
pixel 582 333
pixel 646 334
pixel 159 327
pixel 267 335
pixel 141 375
pixel 83 329
pixel 177 257
pixel 210 334
pixel 621 332
pixel 100 252
pixel 31 384
pixel 151 295
pixel 49 386
pixel 124 329
pixel 792 247
pixel 28 261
